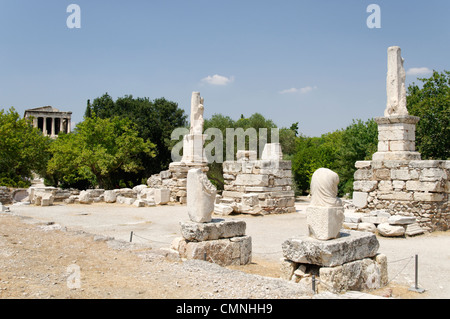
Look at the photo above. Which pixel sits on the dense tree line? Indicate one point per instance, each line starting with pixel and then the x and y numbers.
pixel 121 143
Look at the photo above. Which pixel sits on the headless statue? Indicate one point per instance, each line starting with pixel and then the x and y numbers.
pixel 395 84
pixel 197 109
pixel 324 188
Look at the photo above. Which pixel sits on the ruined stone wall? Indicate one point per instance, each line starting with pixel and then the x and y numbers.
pixel 412 188
pixel 5 195
pixel 175 179
pixel 259 186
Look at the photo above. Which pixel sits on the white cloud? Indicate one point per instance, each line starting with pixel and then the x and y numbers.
pixel 419 71
pixel 218 80
pixel 307 89
pixel 293 90
pixel 303 90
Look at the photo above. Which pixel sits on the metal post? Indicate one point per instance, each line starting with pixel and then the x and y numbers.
pixel 314 284
pixel 416 284
pixel 131 237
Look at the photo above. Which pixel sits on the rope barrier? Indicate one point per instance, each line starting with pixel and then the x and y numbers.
pixel 315 280
pixel 409 260
pixel 133 234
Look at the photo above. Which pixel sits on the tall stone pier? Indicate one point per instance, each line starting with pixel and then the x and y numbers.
pixel 396 179
pixel 194 156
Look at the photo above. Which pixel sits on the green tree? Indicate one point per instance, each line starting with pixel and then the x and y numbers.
pixel 98 151
pixel 256 121
pixel 23 150
pixel 359 142
pixel 155 120
pixel 288 140
pixel 313 153
pixel 432 104
pixel 337 151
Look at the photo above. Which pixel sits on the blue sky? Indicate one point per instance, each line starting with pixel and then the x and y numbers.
pixel 312 62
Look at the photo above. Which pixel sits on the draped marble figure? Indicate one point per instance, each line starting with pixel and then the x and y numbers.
pixel 324 188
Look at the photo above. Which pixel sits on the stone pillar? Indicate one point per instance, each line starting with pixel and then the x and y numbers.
pixel 53 127
pixel 193 151
pixel 44 129
pixel 61 125
pixel 397 129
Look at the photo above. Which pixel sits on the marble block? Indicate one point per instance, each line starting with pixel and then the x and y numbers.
pixel 350 246
pixel 324 223
pixel 216 229
pixel 201 195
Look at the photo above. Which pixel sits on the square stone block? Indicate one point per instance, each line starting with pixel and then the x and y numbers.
pixel 224 252
pixel 162 196
pixel 324 223
pixel 360 199
pixel 216 229
pixel 350 246
pixel 367 273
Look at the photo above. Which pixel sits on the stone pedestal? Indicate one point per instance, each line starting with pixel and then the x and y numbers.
pixel 219 241
pixel 324 223
pixel 193 151
pixel 396 138
pixel 349 262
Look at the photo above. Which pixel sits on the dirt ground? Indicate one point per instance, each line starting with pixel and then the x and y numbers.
pixel 37 260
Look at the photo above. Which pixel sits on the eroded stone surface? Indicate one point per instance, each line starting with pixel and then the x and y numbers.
pixel 350 246
pixel 216 229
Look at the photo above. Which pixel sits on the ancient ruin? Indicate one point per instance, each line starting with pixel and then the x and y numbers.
pixel 175 177
pixel 257 186
pixel 193 151
pixel 396 180
pixel 340 259
pixel 216 240
pixel 325 214
pixel 50 120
